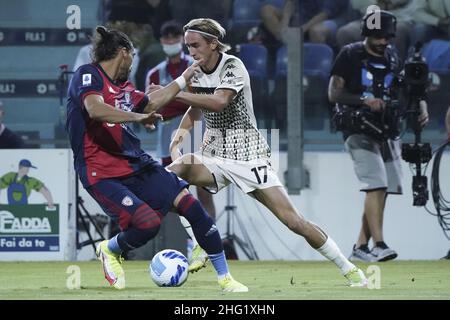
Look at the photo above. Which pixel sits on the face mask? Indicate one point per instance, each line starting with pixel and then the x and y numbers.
pixel 172 49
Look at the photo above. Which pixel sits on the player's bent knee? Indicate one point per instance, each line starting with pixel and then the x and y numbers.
pixel 145 218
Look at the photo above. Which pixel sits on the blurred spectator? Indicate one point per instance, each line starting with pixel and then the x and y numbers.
pixel 164 73
pixel 319 21
pixel 183 11
pixel 153 12
pixel 432 21
pixel 402 9
pixel 8 139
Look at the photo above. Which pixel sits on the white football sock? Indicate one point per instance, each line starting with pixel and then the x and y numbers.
pixel 331 251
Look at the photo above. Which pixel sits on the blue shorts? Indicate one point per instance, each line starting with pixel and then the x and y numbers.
pixel 154 187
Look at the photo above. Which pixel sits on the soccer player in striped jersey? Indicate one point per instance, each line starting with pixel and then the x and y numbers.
pixel 234 151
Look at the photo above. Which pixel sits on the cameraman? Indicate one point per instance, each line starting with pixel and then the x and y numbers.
pixel 376 161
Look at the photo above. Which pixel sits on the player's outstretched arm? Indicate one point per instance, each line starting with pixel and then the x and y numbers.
pixel 212 102
pixel 98 110
pixel 161 97
pixel 186 124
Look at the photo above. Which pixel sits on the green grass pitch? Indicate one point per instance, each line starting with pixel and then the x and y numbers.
pixel 268 280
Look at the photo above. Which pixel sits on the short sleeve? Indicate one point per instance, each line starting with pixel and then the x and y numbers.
pixel 6 180
pixel 87 80
pixel 341 65
pixel 232 76
pixel 35 184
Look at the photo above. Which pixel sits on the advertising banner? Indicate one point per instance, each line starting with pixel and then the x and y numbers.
pixel 36 200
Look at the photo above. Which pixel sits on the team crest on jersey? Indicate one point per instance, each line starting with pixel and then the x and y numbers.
pixel 123 101
pixel 87 79
pixel 127 201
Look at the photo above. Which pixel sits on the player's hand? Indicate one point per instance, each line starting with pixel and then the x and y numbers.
pixel 152 88
pixel 175 152
pixel 193 69
pixel 149 119
pixel 375 104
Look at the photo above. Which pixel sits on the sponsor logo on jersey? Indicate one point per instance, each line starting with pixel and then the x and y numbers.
pixel 230 75
pixel 87 79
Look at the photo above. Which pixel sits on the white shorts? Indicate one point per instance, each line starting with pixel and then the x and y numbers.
pixel 247 175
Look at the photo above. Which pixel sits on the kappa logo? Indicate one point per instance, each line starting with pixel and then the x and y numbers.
pixel 229 81
pixel 195 79
pixel 230 66
pixel 87 79
pixel 230 75
pixel 127 201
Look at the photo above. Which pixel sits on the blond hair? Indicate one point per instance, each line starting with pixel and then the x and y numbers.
pixel 210 30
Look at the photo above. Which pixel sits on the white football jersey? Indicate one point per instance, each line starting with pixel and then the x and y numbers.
pixel 231 133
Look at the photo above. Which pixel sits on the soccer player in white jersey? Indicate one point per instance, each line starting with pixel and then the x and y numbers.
pixel 233 149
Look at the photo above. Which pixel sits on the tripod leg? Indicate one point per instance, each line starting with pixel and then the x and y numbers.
pixel 248 242
pixel 244 247
pixel 86 227
pixel 100 232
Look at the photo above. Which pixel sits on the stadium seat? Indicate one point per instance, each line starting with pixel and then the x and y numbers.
pixel 317 60
pixel 254 57
pixel 437 55
pixel 245 16
pixel 246 11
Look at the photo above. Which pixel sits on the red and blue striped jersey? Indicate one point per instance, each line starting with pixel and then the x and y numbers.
pixel 103 150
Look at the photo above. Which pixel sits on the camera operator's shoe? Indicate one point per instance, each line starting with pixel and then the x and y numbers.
pixel 112 265
pixel 198 260
pixel 356 278
pixel 362 253
pixel 382 252
pixel 228 284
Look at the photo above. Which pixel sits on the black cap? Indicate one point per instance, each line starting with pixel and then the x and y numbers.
pixel 382 26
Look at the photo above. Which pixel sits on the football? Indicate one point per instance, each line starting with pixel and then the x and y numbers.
pixel 169 268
